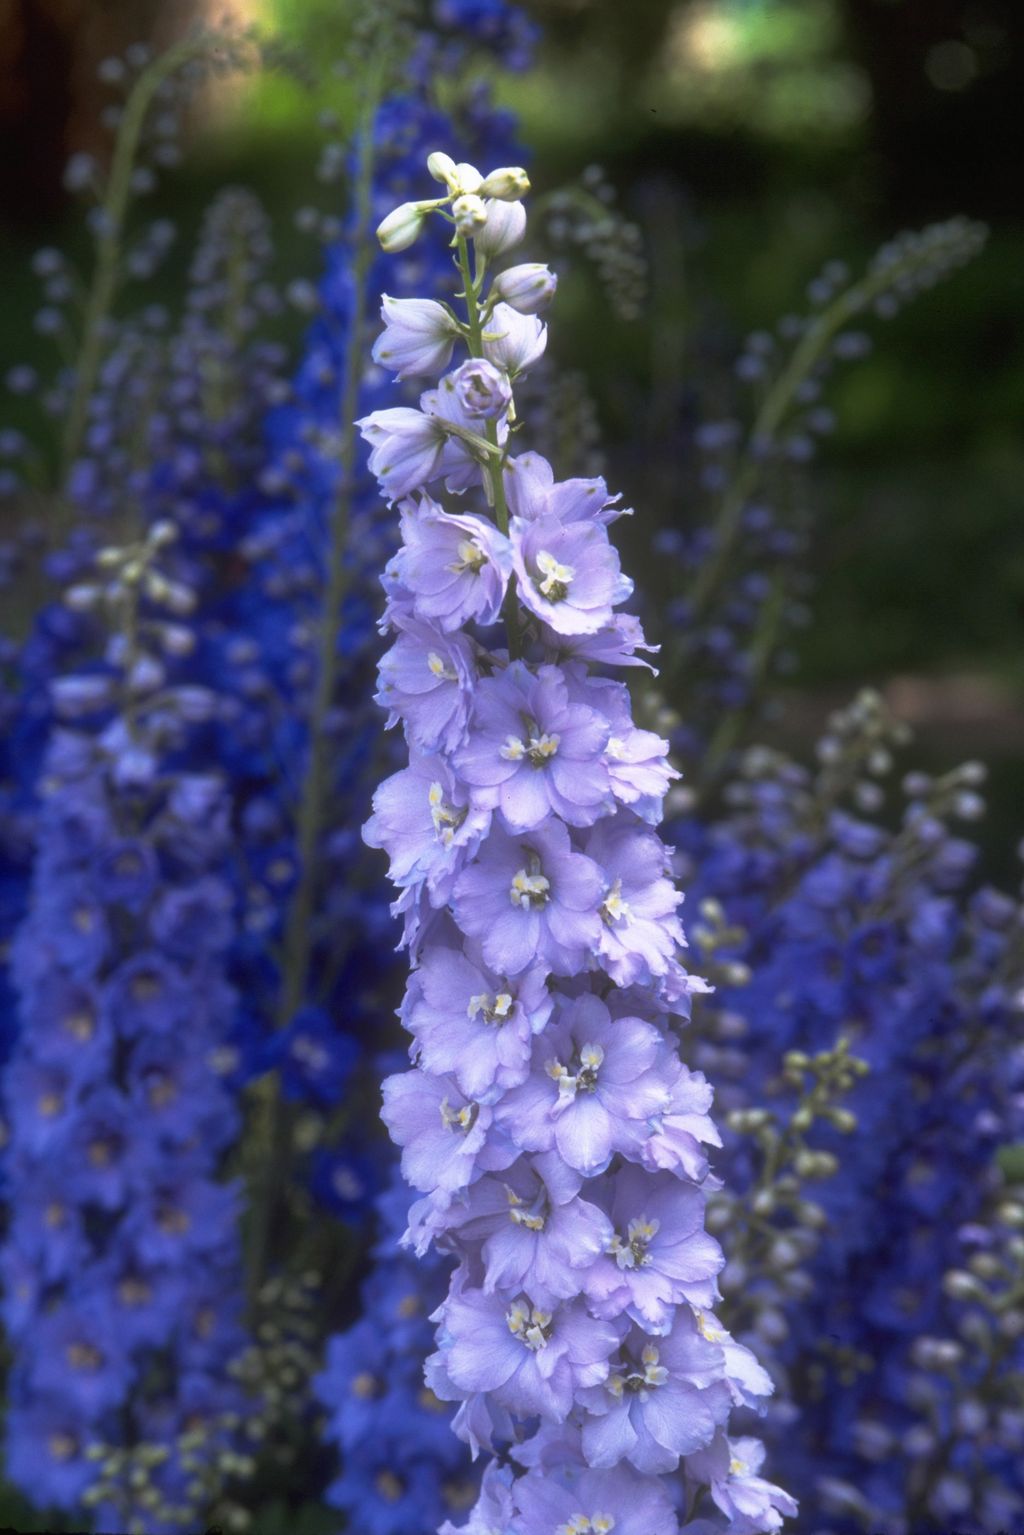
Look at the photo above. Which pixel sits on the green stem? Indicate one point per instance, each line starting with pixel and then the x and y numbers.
pixel 272 1128
pixel 775 407
pixel 108 242
pixel 494 468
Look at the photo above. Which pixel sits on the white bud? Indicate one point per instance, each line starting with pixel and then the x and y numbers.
pixel 401 227
pixel 467 178
pixel 508 183
pixel 529 288
pixel 469 213
pixel 505 227
pixel 441 167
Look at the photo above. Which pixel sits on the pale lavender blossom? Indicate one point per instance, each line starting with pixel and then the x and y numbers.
pixel 594 1086
pixel 512 341
pixel 479 1026
pixel 591 1503
pixel 685 1127
pixel 569 573
pixel 533 492
pixel 640 931
pixel 533 1228
pixel 405 448
pixel 528 288
pixel 531 899
pixel 730 1468
pixel 663 1398
pixel 417 339
pixel 443 1133
pixel 533 1360
pixel 504 227
pixel 483 389
pixel 426 681
pixel 451 567
pixel 464 444
pixel 531 752
pixel 423 820
pixel 659 1255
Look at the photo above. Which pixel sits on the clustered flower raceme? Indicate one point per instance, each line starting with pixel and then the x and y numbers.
pixel 549 1123
pixel 122 1262
pixel 842 924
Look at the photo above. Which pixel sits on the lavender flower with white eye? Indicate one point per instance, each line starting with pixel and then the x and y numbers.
pixel 640 931
pixel 541 1002
pixel 602 1503
pixel 659 1254
pixel 423 820
pixel 426 680
pixel 533 1228
pixel 451 568
pixel 593 1088
pixel 477 1025
pixel 533 1360
pixel 444 1134
pixel 531 752
pixel 664 1398
pixel 418 337
pixel 483 389
pixel 569 574
pixel 531 899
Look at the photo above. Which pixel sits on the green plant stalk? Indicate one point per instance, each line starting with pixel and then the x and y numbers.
pixel 774 408
pixel 271 1129
pixel 106 276
pixel 493 468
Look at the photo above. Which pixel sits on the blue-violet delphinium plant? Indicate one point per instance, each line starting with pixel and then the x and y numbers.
pixel 549 1122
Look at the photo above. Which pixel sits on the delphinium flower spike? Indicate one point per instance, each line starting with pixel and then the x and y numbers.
pixel 549 1122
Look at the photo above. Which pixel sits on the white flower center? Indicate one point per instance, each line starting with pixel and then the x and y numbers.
pixel 584 1080
pixel 557 577
pixel 438 669
pixel 632 1253
pixel 461 1120
pixel 587 1524
pixel 613 908
pixel 494 1009
pixel 446 818
pixel 529 1324
pixel 530 890
pixel 642 1379
pixel 470 557
pixel 533 1217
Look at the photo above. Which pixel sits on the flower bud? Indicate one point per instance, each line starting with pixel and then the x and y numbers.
pixel 508 184
pixel 483 389
pixel 442 167
pixel 529 288
pixel 469 213
pixel 505 227
pixel 467 178
pixel 401 227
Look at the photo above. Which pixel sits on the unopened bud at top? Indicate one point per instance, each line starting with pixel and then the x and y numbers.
pixel 529 287
pixel 459 179
pixel 469 214
pixel 441 167
pixel 401 228
pixel 505 227
pixel 507 184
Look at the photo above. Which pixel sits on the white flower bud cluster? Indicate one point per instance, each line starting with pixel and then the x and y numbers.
pixel 472 199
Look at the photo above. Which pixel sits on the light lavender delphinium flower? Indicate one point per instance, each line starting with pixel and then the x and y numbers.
pixel 548 1121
